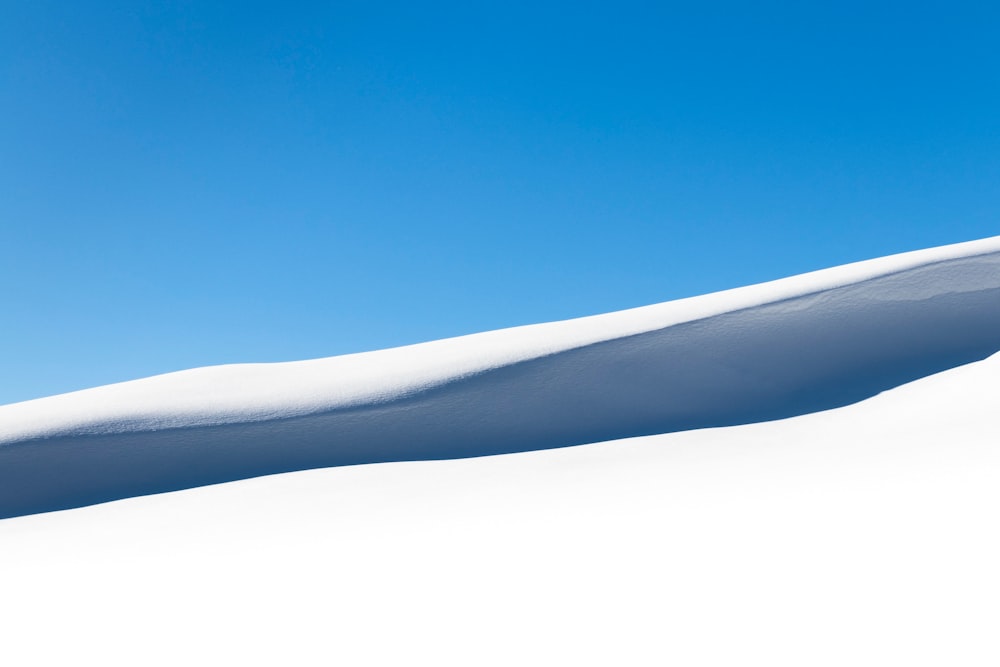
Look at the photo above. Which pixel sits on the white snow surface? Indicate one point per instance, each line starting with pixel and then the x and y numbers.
pixel 857 530
pixel 790 347
pixel 864 535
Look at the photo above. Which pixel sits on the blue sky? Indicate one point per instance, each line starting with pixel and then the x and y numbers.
pixel 192 183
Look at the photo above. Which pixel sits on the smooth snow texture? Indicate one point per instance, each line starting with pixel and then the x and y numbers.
pixel 858 536
pixel 789 347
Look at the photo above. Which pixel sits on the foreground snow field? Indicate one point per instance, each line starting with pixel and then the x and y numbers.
pixel 864 535
pixel 779 349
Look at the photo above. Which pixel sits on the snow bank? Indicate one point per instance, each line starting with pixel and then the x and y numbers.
pixel 789 347
pixel 858 536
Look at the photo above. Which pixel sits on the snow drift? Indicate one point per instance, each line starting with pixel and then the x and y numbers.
pixel 857 536
pixel 793 346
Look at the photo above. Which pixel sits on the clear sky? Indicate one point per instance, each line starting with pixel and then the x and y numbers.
pixel 193 183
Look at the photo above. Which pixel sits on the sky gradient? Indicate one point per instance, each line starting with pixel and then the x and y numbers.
pixel 192 183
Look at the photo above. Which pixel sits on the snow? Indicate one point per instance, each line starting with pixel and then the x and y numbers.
pixel 863 535
pixel 859 528
pixel 790 347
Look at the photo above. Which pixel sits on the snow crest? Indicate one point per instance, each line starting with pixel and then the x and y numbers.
pixel 789 347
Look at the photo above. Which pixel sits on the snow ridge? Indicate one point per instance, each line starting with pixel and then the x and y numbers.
pixel 779 349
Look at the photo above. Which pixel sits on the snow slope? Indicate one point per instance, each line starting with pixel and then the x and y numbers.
pixel 785 348
pixel 863 535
